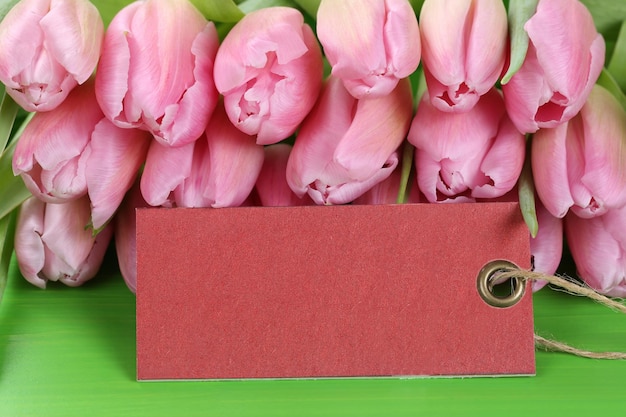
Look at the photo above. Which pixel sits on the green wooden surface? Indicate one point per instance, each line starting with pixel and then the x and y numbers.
pixel 71 352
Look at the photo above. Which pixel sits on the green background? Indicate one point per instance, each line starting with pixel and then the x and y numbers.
pixel 71 352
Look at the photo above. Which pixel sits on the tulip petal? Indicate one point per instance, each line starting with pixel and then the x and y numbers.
pixel 271 185
pixel 112 159
pixel 315 144
pixel 67 239
pixel 185 121
pixel 112 75
pixel 550 169
pixel 377 130
pixel 29 249
pixel 74 30
pixel 598 247
pixel 236 162
pixel 166 167
pixel 20 27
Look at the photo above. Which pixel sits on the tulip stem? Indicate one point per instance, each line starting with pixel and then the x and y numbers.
pixel 407 165
pixel 526 192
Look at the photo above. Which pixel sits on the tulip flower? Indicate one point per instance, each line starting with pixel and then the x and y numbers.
pixel 156 70
pixel 346 146
pixel 48 47
pixel 52 242
pixel 218 170
pixel 462 64
pixel 271 186
pixel 564 59
pixel 598 247
pixel 386 191
pixel 546 248
pixel 269 69
pixel 125 226
pixel 461 157
pixel 579 165
pixel 74 150
pixel 370 44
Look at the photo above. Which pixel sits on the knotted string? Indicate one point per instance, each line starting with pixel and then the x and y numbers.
pixel 575 288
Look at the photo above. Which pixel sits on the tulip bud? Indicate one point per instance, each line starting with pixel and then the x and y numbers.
pixel 462 157
pixel 462 64
pixel 370 44
pixel 581 164
pixel 269 69
pixel 73 150
pixel 156 70
pixel 126 237
pixel 52 242
pixel 48 47
pixel 271 187
pixel 218 170
pixel 564 59
pixel 598 248
pixel 547 247
pixel 346 146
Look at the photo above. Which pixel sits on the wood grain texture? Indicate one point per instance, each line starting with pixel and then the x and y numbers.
pixel 71 352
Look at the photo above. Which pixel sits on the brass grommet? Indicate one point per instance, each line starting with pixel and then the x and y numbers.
pixel 485 284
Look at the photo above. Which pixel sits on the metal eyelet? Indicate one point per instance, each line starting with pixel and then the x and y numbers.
pixel 486 281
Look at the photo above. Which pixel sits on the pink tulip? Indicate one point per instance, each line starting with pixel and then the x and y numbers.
pixel 462 157
pixel 386 191
pixel 52 242
pixel 271 187
pixel 156 70
pixel 563 62
pixel 218 170
pixel 73 150
pixel 346 146
pixel 547 247
pixel 48 47
pixel 464 50
pixel 598 247
pixel 269 69
pixel 370 44
pixel 125 235
pixel 580 164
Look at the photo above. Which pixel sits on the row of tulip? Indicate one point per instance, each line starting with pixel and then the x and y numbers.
pixel 210 123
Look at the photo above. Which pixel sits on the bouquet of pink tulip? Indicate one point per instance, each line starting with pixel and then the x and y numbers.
pixel 207 103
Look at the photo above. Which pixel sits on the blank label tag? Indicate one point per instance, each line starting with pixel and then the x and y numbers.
pixel 314 292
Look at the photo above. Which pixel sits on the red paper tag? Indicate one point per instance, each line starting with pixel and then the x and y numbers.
pixel 344 291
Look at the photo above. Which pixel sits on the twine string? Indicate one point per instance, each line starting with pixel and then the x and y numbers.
pixel 574 288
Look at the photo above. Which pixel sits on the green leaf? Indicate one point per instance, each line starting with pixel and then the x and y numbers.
pixel 526 192
pixel 607 14
pixel 519 12
pixel 12 189
pixel 5 6
pixel 219 10
pixel 248 6
pixel 7 234
pixel 109 8
pixel 617 64
pixel 607 81
pixel 309 6
pixel 8 112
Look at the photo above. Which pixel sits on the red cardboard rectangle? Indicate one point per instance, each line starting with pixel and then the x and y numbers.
pixel 343 291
